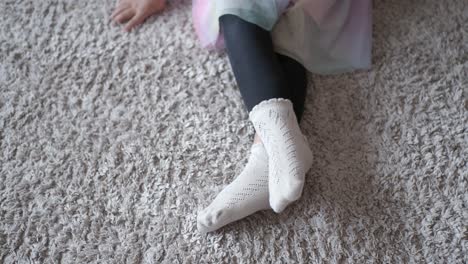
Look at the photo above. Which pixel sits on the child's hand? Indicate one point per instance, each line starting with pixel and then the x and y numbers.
pixel 134 12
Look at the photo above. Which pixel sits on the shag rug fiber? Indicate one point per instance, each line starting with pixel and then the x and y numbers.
pixel 111 142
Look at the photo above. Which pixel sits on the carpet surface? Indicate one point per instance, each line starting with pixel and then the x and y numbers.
pixel 110 142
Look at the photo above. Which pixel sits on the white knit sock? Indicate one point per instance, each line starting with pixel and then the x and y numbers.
pixel 289 154
pixel 247 194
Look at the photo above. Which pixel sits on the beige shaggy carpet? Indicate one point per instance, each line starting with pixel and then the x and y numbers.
pixel 110 143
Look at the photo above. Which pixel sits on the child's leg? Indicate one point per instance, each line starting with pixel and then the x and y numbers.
pixel 271 99
pixel 260 73
pixel 264 76
pixel 296 76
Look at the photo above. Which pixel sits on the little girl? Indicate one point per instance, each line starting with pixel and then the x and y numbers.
pixel 271 45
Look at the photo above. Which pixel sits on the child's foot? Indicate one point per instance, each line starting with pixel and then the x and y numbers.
pixel 247 194
pixel 289 154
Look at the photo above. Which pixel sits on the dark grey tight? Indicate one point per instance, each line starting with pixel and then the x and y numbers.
pixel 262 74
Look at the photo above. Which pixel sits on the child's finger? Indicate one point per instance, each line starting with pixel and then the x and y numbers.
pixel 135 21
pixel 124 15
pixel 118 10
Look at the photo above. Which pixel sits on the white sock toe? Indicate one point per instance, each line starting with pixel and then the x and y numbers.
pixel 276 199
pixel 247 194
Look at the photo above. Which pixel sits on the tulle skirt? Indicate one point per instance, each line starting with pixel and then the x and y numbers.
pixel 326 36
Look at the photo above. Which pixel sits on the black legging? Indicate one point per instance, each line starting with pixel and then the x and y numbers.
pixel 261 73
